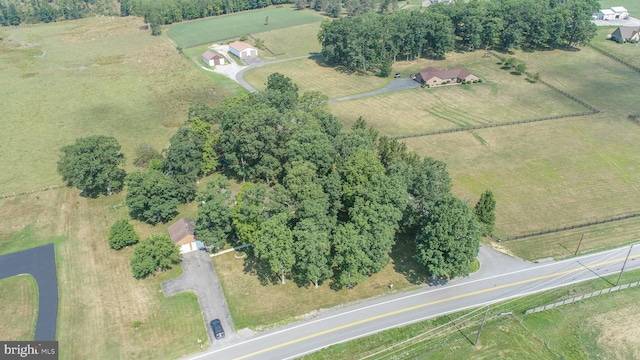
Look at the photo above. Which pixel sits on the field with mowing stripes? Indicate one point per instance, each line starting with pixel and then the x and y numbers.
pixel 194 33
pixel 290 42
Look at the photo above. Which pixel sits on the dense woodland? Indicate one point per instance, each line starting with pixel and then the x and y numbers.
pixel 372 42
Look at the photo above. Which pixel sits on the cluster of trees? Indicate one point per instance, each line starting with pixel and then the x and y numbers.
pixel 15 12
pixel 373 41
pixel 324 204
pixel 333 8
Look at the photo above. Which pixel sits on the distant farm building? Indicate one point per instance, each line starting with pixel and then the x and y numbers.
pixel 616 12
pixel 432 76
pixel 182 233
pixel 212 59
pixel 626 34
pixel 242 50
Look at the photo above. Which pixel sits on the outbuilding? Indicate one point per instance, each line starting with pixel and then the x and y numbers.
pixel 242 50
pixel 620 12
pixel 606 14
pixel 212 59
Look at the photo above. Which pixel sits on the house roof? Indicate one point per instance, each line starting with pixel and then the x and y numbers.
pixel 618 9
pixel 607 12
pixel 210 55
pixel 431 72
pixel 181 229
pixel 239 46
pixel 626 32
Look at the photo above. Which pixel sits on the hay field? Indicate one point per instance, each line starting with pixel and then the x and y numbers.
pixel 290 42
pixel 193 33
pixel 92 76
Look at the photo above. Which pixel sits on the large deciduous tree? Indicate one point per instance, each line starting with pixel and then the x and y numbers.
pixel 274 244
pixel 151 196
pixel 156 252
pixel 449 239
pixel 183 162
pixel 91 165
pixel 213 224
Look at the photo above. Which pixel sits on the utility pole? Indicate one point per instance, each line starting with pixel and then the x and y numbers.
pixel 623 264
pixel 481 326
pixel 580 243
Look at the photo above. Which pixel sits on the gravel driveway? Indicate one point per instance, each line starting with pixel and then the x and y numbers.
pixel 200 277
pixel 631 21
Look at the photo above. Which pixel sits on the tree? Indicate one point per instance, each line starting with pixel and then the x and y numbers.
pixel 122 234
pixel 91 165
pixel 249 212
pixel 274 244
pixel 266 20
pixel 313 250
pixel 485 211
pixel 151 196
pixel 183 162
pixel 213 224
pixel 521 68
pixel 156 252
pixel 449 239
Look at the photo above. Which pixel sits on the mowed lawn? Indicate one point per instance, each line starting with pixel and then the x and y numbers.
pixel 313 75
pixel 198 32
pixel 290 42
pixel 98 295
pixel 92 76
pixel 19 310
pixel 627 52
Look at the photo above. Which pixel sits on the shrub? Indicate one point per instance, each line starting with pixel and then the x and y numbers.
pixel 122 235
pixel 479 80
pixel 154 252
pixel 144 154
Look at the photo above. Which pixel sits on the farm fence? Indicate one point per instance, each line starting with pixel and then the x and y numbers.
pixel 610 55
pixel 593 110
pixel 635 118
pixel 15 194
pixel 582 297
pixel 565 228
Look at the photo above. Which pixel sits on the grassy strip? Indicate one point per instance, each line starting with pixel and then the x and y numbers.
pixel 19 310
pixel 579 330
pixel 199 32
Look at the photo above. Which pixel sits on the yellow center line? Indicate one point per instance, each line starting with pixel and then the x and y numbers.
pixel 415 307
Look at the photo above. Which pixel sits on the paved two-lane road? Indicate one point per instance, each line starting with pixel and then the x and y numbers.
pixel 347 323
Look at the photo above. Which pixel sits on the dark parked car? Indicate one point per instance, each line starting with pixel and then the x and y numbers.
pixel 218 331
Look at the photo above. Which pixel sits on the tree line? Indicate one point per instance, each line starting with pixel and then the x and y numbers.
pixel 317 203
pixel 372 42
pixel 16 12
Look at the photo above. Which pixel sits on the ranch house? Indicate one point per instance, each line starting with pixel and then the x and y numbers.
pixel 182 233
pixel 212 59
pixel 242 50
pixel 626 34
pixel 432 76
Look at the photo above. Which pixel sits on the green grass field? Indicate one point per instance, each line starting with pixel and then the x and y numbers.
pixel 198 32
pixel 19 310
pixel 597 328
pixel 627 52
pixel 291 42
pixel 92 76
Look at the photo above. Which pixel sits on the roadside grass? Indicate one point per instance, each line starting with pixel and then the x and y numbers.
pixel 98 295
pixel 245 292
pixel 91 76
pixel 598 327
pixel 193 33
pixel 290 42
pixel 627 52
pixel 631 5
pixel 19 310
pixel 312 74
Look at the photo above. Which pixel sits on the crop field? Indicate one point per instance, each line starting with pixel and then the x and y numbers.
pixel 19 310
pixel 209 30
pixel 92 76
pixel 310 74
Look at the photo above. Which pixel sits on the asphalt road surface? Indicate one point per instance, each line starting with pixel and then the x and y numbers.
pixel 40 263
pixel 485 287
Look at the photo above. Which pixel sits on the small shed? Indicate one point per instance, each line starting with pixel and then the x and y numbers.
pixel 620 12
pixel 242 50
pixel 212 59
pixel 606 14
